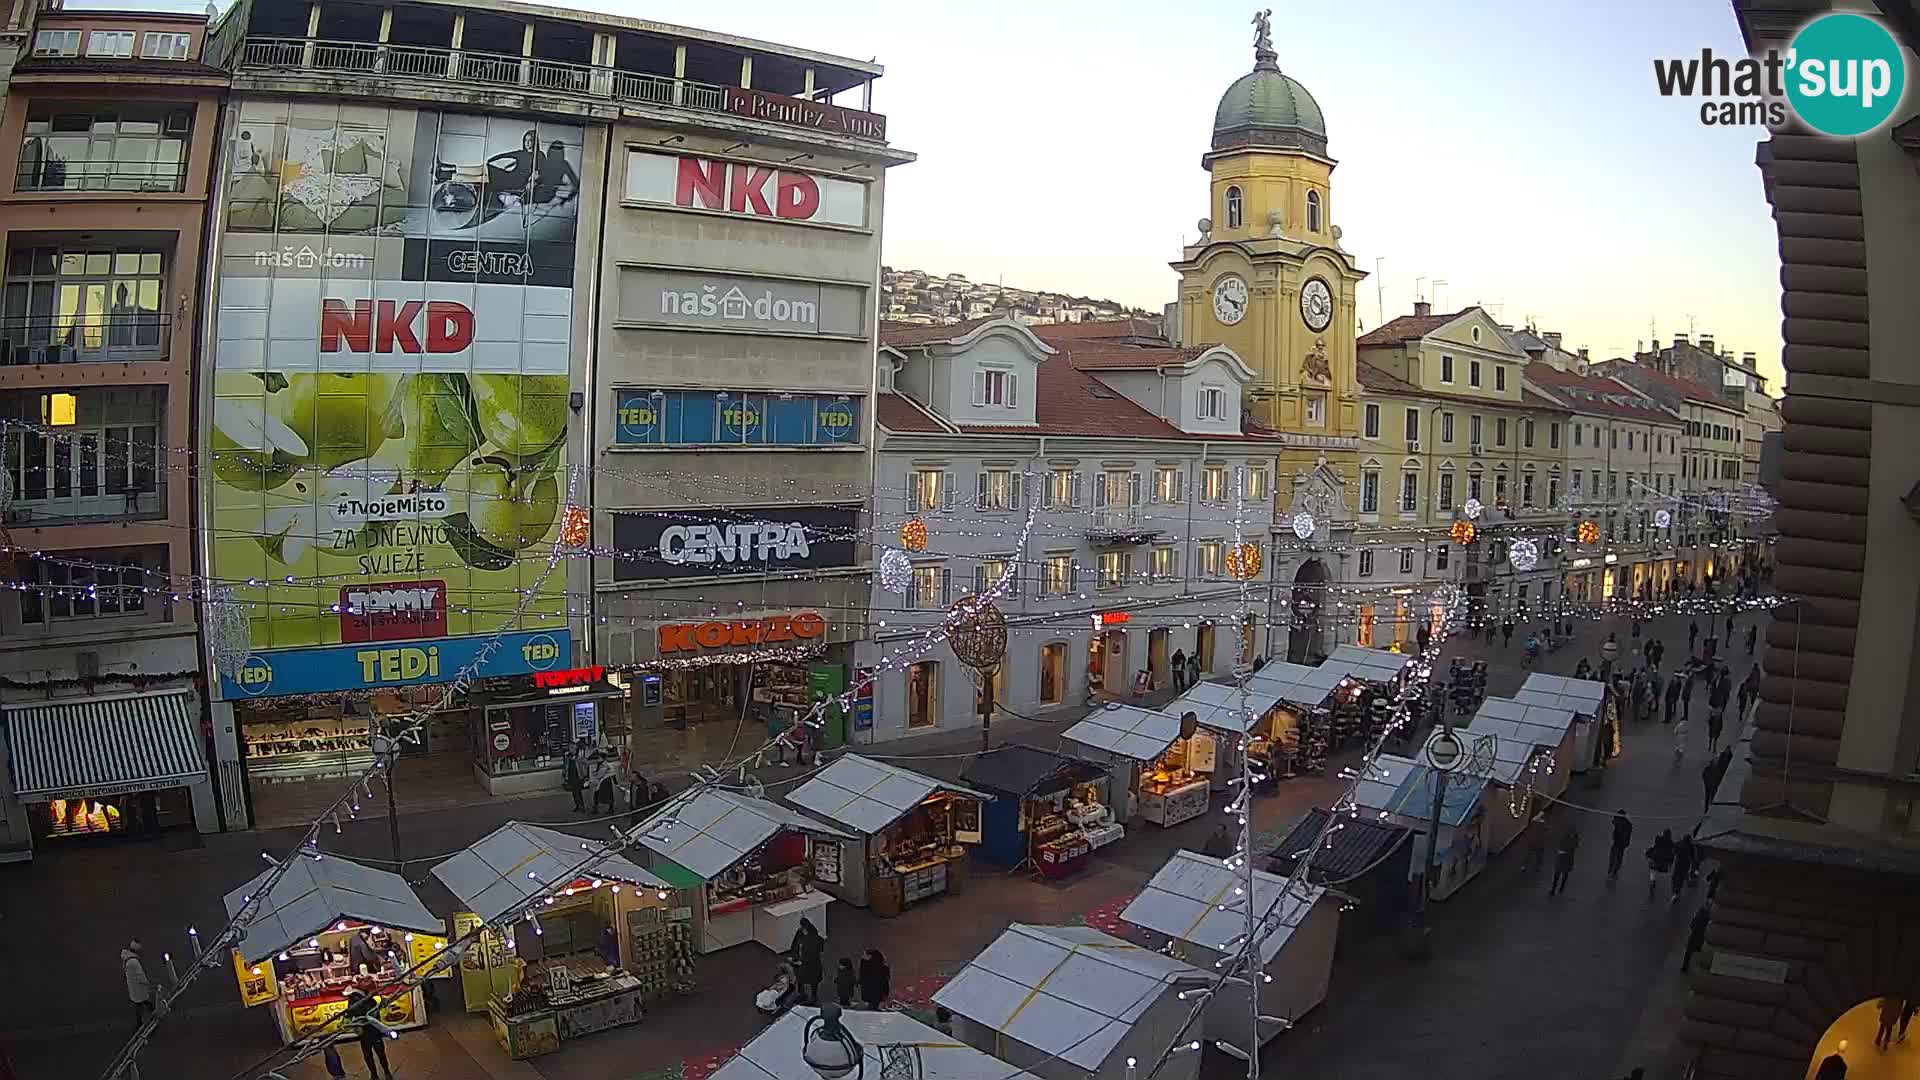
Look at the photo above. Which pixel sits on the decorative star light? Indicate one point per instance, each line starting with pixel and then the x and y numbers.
pixel 896 570
pixel 1524 555
pixel 1472 509
pixel 1662 518
pixel 1304 526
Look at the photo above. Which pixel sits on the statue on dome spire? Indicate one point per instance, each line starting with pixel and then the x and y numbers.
pixel 1263 54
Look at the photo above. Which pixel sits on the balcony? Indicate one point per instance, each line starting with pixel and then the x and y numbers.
pixel 84 339
pixel 472 68
pixel 1120 526
pixel 58 174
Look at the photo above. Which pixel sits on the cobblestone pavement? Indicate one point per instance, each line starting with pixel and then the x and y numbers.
pixel 1519 984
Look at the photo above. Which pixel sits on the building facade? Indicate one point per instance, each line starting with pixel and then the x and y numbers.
pixel 104 204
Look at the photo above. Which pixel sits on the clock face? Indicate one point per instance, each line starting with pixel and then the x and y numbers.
pixel 1229 299
pixel 1316 304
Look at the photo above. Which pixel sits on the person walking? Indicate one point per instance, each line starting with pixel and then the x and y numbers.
pixel 139 987
pixel 1696 934
pixel 1680 738
pixel 1193 669
pixel 330 1058
pixel 1563 860
pixel 1506 633
pixel 1753 637
pixel 1179 666
pixel 1693 634
pixel 1609 649
pixel 1425 637
pixel 876 979
pixel 1622 836
pixel 1656 649
pixel 1834 1066
pixel 805 954
pixel 1749 689
pixel 1889 1019
pixel 1673 697
pixel 602 776
pixel 845 981
pixel 362 1008
pixel 1659 859
pixel 1717 711
pixel 574 778
pixel 1710 776
pixel 1682 864
pixel 637 796
pixel 1729 629
pixel 1909 1004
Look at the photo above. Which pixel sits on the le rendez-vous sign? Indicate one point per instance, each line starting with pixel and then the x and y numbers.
pixel 799 112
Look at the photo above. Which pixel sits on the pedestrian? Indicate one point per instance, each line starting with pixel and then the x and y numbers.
pixel 1563 860
pixel 1425 636
pixel 1716 720
pixel 637 796
pixel 1258 663
pixel 331 1059
pixel 943 1019
pixel 1693 634
pixel 1610 648
pixel 1890 1007
pixel 1696 934
pixel 1193 668
pixel 1753 637
pixel 1729 629
pixel 805 954
pixel 362 1009
pixel 1179 666
pixel 1834 1067
pixel 1711 774
pixel 1583 670
pixel 1710 647
pixel 574 779
pixel 139 987
pixel 1909 1004
pixel 1622 836
pixel 1682 864
pixel 1656 650
pixel 1750 689
pixel 1492 628
pixel 1221 844
pixel 1659 859
pixel 845 980
pixel 602 775
pixel 1673 697
pixel 876 979
pixel 1506 633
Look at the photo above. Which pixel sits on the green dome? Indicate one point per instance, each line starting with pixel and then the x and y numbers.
pixel 1266 108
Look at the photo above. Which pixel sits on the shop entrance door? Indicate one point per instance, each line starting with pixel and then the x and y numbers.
pixel 1116 662
pixel 1157 657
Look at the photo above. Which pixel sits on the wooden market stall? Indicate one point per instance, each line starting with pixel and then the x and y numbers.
pixel 1548 727
pixel 775 1054
pixel 1596 734
pixel 1047 810
pixel 567 949
pixel 1162 767
pixel 749 865
pixel 1373 665
pixel 1238 715
pixel 1368 860
pixel 1402 790
pixel 1184 902
pixel 909 831
pixel 330 926
pixel 1072 1003
pixel 1301 730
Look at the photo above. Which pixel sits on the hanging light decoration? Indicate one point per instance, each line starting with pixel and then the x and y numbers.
pixel 576 527
pixel 1472 508
pixel 1243 561
pixel 913 535
pixel 1463 532
pixel 1304 526
pixel 1524 555
pixel 896 570
pixel 229 630
pixel 1589 532
pixel 1662 518
pixel 977 632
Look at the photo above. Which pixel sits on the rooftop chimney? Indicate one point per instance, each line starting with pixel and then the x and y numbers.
pixel 1746 360
pixel 1679 340
pixel 1706 342
pixel 1422 309
pixel 1553 338
pixel 1583 356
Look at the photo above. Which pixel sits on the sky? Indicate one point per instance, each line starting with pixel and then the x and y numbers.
pixel 1516 150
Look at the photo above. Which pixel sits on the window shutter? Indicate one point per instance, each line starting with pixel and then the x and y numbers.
pixel 980 490
pixel 1073 576
pixel 1099 492
pixel 946 491
pixel 913 495
pixel 1013 389
pixel 1019 491
pixel 946 586
pixel 1046 493
pixel 1079 481
pixel 1179 485
pixel 1133 489
pixel 979 387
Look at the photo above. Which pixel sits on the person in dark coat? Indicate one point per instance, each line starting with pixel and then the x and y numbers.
pixel 1563 860
pixel 1659 859
pixel 361 1009
pixel 1426 636
pixel 573 777
pixel 807 969
pixel 1622 836
pixel 1682 864
pixel 1729 629
pixel 1753 637
pixel 1178 666
pixel 1696 934
pixel 1749 689
pixel 1834 1066
pixel 1506 633
pixel 876 979
pixel 1693 634
pixel 639 794
pixel 845 981
pixel 1889 1019
pixel 1221 843
pixel 1717 711
pixel 1193 668
pixel 1714 771
pixel 1674 688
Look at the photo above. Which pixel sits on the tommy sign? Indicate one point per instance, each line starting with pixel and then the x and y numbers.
pixel 674 545
pixel 729 302
pixel 744 188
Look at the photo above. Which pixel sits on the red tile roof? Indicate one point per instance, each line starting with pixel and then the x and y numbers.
pixel 1537 401
pixel 897 413
pixel 1109 356
pixel 1593 393
pixel 1672 384
pixel 1408 328
pixel 1374 378
pixel 1132 330
pixel 1383 382
pixel 893 332
pixel 1069 401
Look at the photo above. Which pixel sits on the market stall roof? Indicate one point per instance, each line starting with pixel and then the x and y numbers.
pixel 1071 992
pixel 1374 665
pixel 1582 696
pixel 867 795
pixel 775 1053
pixel 711 830
pixel 313 893
pixel 1183 901
pixel 98 745
pixel 1514 745
pixel 1299 684
pixel 1020 771
pixel 1550 723
pixel 1140 734
pixel 517 862
pixel 1359 844
pixel 1226 707
pixel 1407 790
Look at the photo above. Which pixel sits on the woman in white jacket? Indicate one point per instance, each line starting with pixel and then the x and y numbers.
pixel 139 987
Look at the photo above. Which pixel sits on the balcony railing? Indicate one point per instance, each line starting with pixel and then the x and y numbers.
pixel 60 174
pixel 1120 525
pixel 487 69
pixel 84 339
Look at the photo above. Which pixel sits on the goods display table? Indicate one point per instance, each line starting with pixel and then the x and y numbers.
pixel 1063 857
pixel 775 924
pixel 1176 804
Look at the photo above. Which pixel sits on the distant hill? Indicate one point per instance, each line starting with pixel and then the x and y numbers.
pixel 920 297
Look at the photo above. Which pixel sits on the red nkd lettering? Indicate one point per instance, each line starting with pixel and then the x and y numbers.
pixel 747 190
pixel 340 324
pixel 796 196
pixel 387 326
pixel 700 184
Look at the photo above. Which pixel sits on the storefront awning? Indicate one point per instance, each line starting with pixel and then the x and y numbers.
pixel 1184 901
pixel 1298 684
pixel 104 745
pixel 775 1053
pixel 1582 696
pixel 1226 707
pixel 867 795
pixel 517 862
pixel 1373 665
pixel 315 893
pixel 1139 734
pixel 709 832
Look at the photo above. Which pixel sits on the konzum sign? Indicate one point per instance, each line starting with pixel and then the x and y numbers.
pixel 747 189
pixel 772 630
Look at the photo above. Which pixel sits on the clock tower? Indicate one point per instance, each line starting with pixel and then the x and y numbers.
pixel 1268 277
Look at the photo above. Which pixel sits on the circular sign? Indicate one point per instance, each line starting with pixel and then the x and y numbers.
pixel 255 676
pixel 740 418
pixel 501 742
pixel 835 419
pixel 1444 751
pixel 638 416
pixel 541 652
pixel 1845 74
pixel 1662 518
pixel 1304 526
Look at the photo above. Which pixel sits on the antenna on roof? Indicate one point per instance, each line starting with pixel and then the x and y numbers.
pixel 1437 283
pixel 1417 282
pixel 1379 291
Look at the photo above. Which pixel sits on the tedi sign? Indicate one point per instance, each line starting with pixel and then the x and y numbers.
pixel 1843 76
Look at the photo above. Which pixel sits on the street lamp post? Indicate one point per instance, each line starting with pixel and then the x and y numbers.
pixel 832 1052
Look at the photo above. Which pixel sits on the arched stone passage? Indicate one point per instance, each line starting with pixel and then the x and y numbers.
pixel 1309 602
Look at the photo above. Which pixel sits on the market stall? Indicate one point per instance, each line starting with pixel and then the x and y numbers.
pixel 1596 723
pixel 750 866
pixel 1548 727
pixel 1162 765
pixel 330 926
pixel 775 1054
pixel 1302 731
pixel 1372 665
pixel 1368 860
pixel 908 831
pixel 588 948
pixel 1400 790
pixel 1186 902
pixel 1072 1003
pixel 1238 715
pixel 1047 810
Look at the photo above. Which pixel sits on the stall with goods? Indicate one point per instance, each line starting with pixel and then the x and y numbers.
pixel 1401 790
pixel 1072 1003
pixel 1368 860
pixel 1376 677
pixel 748 864
pixel 879 1044
pixel 328 928
pixel 1047 810
pixel 585 945
pixel 1302 730
pixel 909 831
pixel 1596 733
pixel 1192 901
pixel 1239 715
pixel 1160 764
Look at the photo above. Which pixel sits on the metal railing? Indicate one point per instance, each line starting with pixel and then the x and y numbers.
pixel 469 66
pixel 64 174
pixel 84 339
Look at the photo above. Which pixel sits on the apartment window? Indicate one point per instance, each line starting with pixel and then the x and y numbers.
pixel 998 489
pixel 96 456
pixel 1473 430
pixel 1406 560
pixel 1213 484
pixel 1210 553
pixel 1313 211
pixel 1163 562
pixel 1372 414
pixel 1236 209
pixel 1213 403
pixel 1057 574
pixel 1316 409
pixel 1595 488
pixel 1473 373
pixel 989 572
pixel 1446 491
pixel 1441 556
pixel 1526 488
pixel 1166 484
pixel 1553 492
pixel 56 43
pixel 1553 437
pixel 1113 569
pixel 1473 484
pixel 1413 425
pixel 1370 491
pixel 931 587
pixel 65 305
pixel 1500 489
pixel 1115 495
pixel 1613 438
pixel 1366 562
pixel 1577 429
pixel 1409 492
pixel 1499 377
pixel 1446 368
pixel 1613 484
pixel 1063 488
pixel 1576 483
pixel 1499 431
pixel 1258 485
pixel 1526 434
pixel 156 45
pixel 929 489
pixel 996 387
pixel 106 584
pixel 110 43
pixel 1446 427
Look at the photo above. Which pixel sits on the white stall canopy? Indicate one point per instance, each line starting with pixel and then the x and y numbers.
pixel 1126 731
pixel 1546 725
pixel 1225 707
pixel 775 1053
pixel 1183 901
pixel 1066 991
pixel 1299 685
pixel 711 831
pixel 314 893
pixel 1581 696
pixel 1373 665
pixel 867 795
pixel 1406 790
pixel 517 862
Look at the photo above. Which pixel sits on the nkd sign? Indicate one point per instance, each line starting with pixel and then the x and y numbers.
pixel 731 302
pixel 744 188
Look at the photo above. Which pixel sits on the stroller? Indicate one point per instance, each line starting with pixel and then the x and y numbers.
pixel 780 993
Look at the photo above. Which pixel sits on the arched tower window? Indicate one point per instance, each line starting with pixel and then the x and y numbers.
pixel 1313 211
pixel 1235 210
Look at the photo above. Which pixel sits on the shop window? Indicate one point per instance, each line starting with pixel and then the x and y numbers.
pixel 1365 636
pixel 1203 644
pixel 1236 208
pixel 89 454
pixel 923 694
pixel 1053 673
pixel 1441 556
pixel 998 680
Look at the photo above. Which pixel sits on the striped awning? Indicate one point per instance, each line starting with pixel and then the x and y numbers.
pixel 103 745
